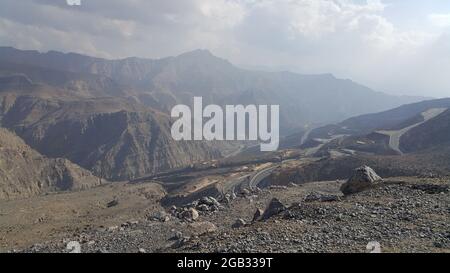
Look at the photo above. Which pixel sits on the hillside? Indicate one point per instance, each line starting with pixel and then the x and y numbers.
pixel 435 132
pixel 113 137
pixel 393 119
pixel 406 129
pixel 24 172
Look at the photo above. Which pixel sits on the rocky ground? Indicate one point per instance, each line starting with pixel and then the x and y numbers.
pixel 404 214
pixel 401 217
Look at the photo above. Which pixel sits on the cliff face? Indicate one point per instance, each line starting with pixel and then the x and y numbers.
pixel 24 172
pixel 114 138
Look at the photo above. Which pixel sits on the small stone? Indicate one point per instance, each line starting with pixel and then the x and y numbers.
pixel 142 251
pixel 258 214
pixel 178 235
pixel 203 207
pixel 239 223
pixel 113 228
pixel 161 216
pixel 112 203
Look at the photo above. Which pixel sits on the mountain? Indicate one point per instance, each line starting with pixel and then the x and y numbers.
pixel 396 118
pixel 163 83
pixel 114 137
pixel 111 116
pixel 24 172
pixel 406 129
pixel 435 132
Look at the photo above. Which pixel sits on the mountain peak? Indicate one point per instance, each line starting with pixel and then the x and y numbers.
pixel 203 57
pixel 198 53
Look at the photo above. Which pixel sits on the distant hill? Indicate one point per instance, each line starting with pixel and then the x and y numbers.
pixel 396 118
pixel 406 129
pixel 435 132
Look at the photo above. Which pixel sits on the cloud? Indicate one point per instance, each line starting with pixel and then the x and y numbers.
pixel 350 38
pixel 440 20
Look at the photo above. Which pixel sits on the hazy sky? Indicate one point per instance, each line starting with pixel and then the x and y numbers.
pixel 396 46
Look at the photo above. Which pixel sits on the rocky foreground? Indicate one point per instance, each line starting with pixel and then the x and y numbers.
pixel 407 214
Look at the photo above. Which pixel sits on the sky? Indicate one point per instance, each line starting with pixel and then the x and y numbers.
pixel 395 46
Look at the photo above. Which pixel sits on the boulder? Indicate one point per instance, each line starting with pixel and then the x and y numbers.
pixel 190 214
pixel 210 201
pixel 275 207
pixel 161 216
pixel 258 214
pixel 362 179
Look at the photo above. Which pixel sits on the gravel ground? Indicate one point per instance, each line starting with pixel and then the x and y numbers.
pixel 402 215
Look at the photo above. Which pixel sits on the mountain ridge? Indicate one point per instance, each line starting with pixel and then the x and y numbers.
pixel 165 82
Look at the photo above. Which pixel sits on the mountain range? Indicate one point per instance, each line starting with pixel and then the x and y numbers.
pixel 163 83
pixel 111 117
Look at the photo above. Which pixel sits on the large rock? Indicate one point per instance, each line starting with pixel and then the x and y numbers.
pixel 190 214
pixel 275 207
pixel 258 214
pixel 210 201
pixel 161 216
pixel 362 179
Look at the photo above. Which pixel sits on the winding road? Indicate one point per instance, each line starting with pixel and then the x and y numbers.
pixel 260 176
pixel 394 136
pixel 248 181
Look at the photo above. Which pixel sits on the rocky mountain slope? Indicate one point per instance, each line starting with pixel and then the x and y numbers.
pixel 24 172
pixel 435 132
pixel 410 128
pixel 114 137
pixel 392 119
